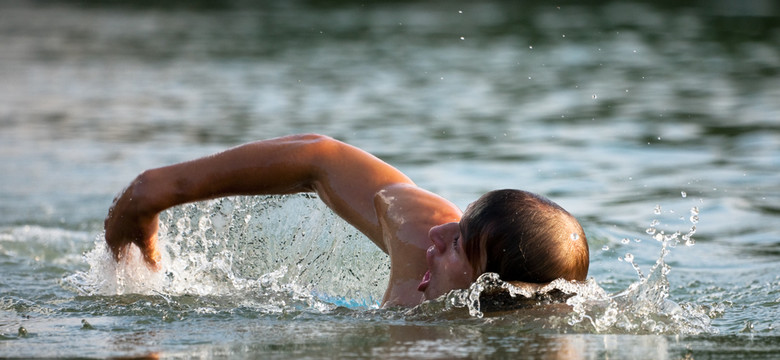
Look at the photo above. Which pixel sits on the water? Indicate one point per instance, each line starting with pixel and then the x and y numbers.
pixel 654 123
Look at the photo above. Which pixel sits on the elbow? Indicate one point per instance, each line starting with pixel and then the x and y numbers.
pixel 318 151
pixel 318 148
pixel 313 138
pixel 322 156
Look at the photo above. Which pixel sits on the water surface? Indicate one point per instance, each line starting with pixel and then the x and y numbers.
pixel 635 116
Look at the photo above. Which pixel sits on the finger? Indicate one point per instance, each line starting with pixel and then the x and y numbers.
pixel 150 253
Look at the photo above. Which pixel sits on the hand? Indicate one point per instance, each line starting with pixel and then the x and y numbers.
pixel 126 224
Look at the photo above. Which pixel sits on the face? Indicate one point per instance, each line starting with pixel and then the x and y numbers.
pixel 448 265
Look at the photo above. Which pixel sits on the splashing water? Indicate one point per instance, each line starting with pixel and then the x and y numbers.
pixel 643 308
pixel 274 250
pixel 274 258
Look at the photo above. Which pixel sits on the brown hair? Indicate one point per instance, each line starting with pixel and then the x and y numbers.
pixel 525 237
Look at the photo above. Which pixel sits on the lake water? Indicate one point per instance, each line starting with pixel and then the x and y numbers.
pixel 656 124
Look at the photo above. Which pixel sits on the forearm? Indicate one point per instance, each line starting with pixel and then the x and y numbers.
pixel 277 166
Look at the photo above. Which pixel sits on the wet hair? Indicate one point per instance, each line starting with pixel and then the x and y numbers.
pixel 525 237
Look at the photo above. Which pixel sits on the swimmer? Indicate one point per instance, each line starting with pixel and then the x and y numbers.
pixel 433 246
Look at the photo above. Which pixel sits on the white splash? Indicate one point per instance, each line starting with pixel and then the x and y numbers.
pixel 275 250
pixel 643 307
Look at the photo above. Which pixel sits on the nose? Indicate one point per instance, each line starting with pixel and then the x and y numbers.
pixel 442 235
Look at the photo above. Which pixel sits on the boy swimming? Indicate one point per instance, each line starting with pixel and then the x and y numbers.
pixel 433 246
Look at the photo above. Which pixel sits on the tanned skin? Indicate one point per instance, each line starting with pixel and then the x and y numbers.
pixel 416 228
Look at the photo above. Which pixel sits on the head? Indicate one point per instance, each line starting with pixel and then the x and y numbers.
pixel 524 237
pixel 519 235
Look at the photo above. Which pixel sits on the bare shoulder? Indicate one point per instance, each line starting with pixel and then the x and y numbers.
pixel 408 203
pixel 407 212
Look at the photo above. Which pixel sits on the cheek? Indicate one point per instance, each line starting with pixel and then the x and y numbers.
pixel 468 275
pixel 461 271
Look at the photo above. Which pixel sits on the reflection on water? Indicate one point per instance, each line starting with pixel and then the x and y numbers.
pixel 614 109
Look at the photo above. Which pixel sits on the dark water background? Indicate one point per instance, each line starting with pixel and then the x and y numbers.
pixel 622 112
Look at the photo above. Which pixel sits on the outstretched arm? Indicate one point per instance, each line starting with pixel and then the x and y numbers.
pixel 345 177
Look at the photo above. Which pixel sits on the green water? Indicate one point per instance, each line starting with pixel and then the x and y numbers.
pixel 638 117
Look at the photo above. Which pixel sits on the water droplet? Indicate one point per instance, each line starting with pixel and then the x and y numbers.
pixel 695 210
pixel 748 328
pixel 625 241
pixel 650 231
pixel 460 11
pixel 657 210
pixel 683 194
pixel 605 248
pixel 595 96
pixel 531 47
pixel 629 257
pixel 462 38
pixel 575 236
pixel 694 219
